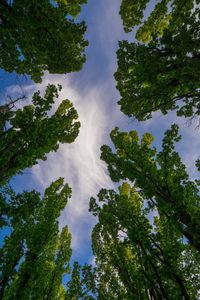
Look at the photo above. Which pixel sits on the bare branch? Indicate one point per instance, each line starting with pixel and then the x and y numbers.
pixel 11 104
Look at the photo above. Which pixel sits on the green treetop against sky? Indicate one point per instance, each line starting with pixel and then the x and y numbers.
pixel 144 226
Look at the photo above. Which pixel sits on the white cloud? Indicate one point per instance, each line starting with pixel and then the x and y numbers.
pixel 79 162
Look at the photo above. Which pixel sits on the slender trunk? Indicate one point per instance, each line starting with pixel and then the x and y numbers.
pixel 150 292
pixel 192 230
pixel 170 268
pixel 181 285
pixel 162 289
pixel 180 218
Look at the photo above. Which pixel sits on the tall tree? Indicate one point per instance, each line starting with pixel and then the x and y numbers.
pixel 35 256
pixel 36 36
pixel 161 176
pixel 164 74
pixel 28 134
pixel 82 283
pixel 137 260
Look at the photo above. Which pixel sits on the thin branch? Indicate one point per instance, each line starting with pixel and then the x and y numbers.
pixel 7 107
pixel 173 100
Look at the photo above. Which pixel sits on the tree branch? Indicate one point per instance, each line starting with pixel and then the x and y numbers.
pixel 174 99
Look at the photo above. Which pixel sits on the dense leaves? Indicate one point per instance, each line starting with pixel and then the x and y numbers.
pixel 136 260
pixel 161 176
pixel 82 283
pixel 132 13
pixel 146 243
pixel 163 75
pixel 35 256
pixel 28 134
pixel 160 16
pixel 41 35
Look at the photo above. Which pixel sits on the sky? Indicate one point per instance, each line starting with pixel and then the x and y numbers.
pixel 95 97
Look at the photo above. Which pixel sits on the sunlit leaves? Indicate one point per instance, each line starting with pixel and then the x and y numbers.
pixel 164 74
pixel 35 256
pixel 31 132
pixel 135 259
pixel 161 177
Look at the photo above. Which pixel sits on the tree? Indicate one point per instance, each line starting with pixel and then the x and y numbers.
pixel 82 283
pixel 160 176
pixel 164 74
pixel 32 133
pixel 37 36
pixel 163 14
pixel 137 260
pixel 35 256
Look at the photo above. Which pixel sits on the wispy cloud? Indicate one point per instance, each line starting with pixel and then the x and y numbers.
pixel 79 162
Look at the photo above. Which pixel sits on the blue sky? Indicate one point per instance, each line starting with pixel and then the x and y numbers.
pixel 94 95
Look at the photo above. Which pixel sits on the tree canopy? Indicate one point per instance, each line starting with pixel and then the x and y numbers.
pixel 161 176
pixel 136 259
pixel 36 36
pixel 162 14
pixel 82 283
pixel 28 134
pixel 146 241
pixel 35 255
pixel 164 74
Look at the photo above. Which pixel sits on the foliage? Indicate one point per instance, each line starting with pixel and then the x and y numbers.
pixel 35 256
pixel 132 13
pixel 163 75
pixel 161 16
pixel 37 36
pixel 137 260
pixel 72 7
pixel 161 177
pixel 82 283
pixel 28 134
pixel 146 242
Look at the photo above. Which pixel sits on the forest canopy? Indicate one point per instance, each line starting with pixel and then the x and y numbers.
pixel 41 35
pixel 161 73
pixel 145 240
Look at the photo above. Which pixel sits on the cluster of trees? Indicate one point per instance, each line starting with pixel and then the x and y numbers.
pixel 146 242
pixel 37 36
